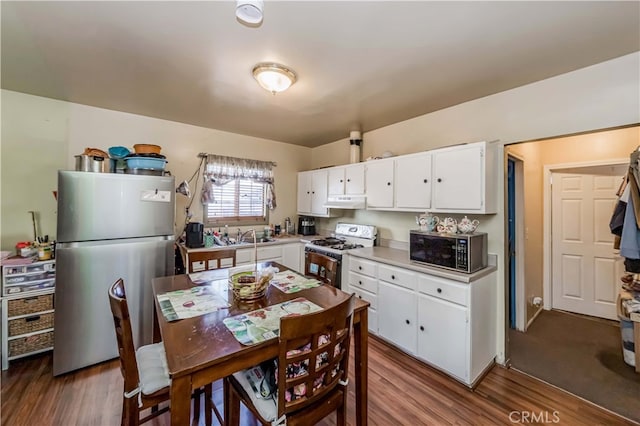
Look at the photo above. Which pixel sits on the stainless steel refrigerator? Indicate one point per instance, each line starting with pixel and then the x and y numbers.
pixel 110 226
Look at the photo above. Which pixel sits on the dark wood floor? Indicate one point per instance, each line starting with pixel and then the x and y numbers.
pixel 402 391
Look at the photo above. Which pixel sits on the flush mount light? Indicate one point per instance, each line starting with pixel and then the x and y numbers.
pixel 249 11
pixel 274 77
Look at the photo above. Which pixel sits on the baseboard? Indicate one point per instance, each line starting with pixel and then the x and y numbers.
pixel 533 318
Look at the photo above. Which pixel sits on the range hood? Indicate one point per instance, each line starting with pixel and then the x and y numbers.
pixel 345 202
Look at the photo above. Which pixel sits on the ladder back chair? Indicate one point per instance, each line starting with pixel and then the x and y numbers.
pixel 312 371
pixel 323 268
pixel 145 372
pixel 213 259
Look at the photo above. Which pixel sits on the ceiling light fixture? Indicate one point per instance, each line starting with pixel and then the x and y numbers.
pixel 249 12
pixel 274 77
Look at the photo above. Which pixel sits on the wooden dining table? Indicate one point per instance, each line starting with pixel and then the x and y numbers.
pixel 201 350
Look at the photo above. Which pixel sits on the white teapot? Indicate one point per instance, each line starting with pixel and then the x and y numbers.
pixel 468 226
pixel 448 225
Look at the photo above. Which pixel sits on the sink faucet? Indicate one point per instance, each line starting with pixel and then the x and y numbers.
pixel 242 234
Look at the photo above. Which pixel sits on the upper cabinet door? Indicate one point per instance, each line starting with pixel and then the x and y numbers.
pixel 304 192
pixel 464 179
pixel 336 180
pixel 413 182
pixel 319 190
pixel 379 184
pixel 354 179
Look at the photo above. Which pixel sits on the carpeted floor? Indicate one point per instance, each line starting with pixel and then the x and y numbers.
pixel 582 355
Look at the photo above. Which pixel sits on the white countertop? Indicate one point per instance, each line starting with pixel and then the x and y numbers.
pixel 288 239
pixel 400 258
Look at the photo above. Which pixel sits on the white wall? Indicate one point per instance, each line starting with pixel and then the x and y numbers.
pixel 600 96
pixel 40 136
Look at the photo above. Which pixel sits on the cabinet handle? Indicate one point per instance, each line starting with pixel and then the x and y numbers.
pixel 360 268
pixel 388 183
pixel 359 297
pixel 340 180
pixel 348 180
pixel 360 282
pixel 421 328
pixel 32 318
pixel 439 180
pixel 308 192
pixel 313 192
pixel 439 290
pixel 393 277
pixel 407 321
pixel 425 181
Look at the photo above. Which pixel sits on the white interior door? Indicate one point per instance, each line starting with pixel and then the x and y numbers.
pixel 586 269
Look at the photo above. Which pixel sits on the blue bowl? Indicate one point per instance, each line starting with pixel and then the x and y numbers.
pixel 145 163
pixel 118 152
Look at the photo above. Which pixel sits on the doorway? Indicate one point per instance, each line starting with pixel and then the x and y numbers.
pixel 516 236
pixel 578 353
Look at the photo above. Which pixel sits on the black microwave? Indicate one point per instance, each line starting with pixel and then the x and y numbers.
pixel 459 252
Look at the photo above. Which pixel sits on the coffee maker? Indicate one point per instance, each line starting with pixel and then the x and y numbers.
pixel 195 235
pixel 306 225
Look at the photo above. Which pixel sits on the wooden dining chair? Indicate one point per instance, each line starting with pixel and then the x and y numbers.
pixel 205 260
pixel 145 372
pixel 314 350
pixel 322 267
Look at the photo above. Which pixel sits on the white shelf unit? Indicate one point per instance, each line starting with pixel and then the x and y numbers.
pixel 27 309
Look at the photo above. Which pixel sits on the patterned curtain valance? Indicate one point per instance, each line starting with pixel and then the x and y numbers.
pixel 220 169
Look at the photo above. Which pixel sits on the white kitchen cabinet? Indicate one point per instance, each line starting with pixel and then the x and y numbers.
pixel 347 180
pixel 291 256
pixel 448 324
pixel 245 256
pixel 443 335
pixel 413 182
pixel 402 183
pixel 361 276
pixel 27 309
pixel 466 346
pixel 312 193
pixel 379 184
pixel 465 179
pixel 397 315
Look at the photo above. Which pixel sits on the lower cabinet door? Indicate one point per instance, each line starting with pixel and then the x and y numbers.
pixel 397 315
pixel 443 335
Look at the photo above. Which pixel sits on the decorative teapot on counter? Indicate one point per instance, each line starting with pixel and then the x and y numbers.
pixel 448 225
pixel 427 222
pixel 468 226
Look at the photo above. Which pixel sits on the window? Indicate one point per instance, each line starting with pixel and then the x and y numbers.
pixel 237 191
pixel 237 202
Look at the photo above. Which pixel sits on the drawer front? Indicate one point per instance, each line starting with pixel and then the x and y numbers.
pixel 397 276
pixel 443 289
pixel 29 305
pixel 366 296
pixel 29 286
pixel 30 324
pixel 269 253
pixel 362 266
pixel 369 284
pixel 36 342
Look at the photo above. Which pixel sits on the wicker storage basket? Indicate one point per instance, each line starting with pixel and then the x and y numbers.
pixel 30 305
pixel 30 324
pixel 32 343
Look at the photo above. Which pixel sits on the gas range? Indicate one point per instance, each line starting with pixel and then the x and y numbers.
pixel 347 237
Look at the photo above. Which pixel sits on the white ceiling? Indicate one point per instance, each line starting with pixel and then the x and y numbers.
pixel 360 65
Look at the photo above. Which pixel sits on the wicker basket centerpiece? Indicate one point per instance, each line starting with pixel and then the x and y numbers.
pixel 250 284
